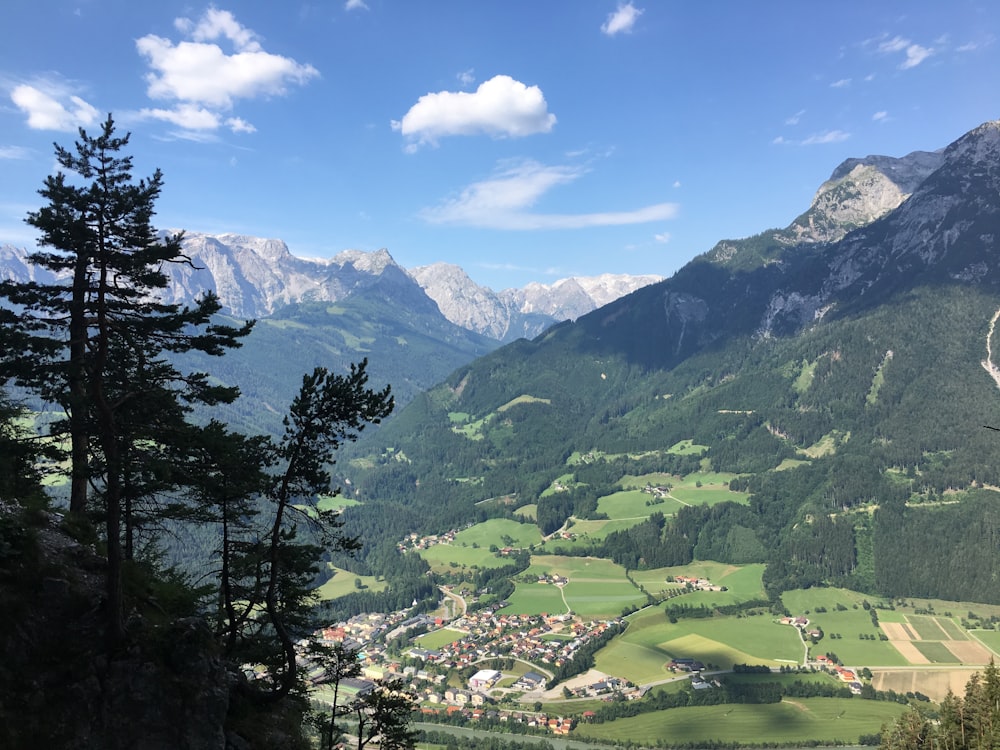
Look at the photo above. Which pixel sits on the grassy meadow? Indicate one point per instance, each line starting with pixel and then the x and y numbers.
pixel 830 720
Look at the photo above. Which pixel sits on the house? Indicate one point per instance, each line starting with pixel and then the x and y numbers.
pixel 530 681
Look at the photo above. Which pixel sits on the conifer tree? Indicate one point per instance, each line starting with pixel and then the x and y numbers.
pixel 95 341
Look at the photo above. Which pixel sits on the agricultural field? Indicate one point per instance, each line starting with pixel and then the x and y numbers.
pixel 635 505
pixel 925 639
pixel 597 588
pixel 447 557
pixel 800 720
pixel 344 582
pixel 743 583
pixel 651 641
pixel 934 683
pixel 494 531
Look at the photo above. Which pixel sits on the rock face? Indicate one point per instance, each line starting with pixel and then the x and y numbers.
pixel 519 313
pixel 860 191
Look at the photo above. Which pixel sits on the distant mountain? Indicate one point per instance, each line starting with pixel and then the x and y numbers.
pixel 520 313
pixel 255 277
pixel 839 371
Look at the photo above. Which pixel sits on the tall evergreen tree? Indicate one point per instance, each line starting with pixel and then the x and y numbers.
pixel 95 341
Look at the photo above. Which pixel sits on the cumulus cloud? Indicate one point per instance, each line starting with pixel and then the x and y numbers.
pixel 50 105
pixel 204 81
pixel 500 107
pixel 622 20
pixel 504 202
pixel 880 116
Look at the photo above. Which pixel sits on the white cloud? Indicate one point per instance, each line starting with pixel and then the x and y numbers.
pixel 827 136
pixel 50 106
pixel 467 77
pixel 622 20
pixel 500 107
pixel 13 152
pixel 502 202
pixel 204 81
pixel 677 183
pixel 239 125
pixel 663 237
pixel 896 44
pixel 842 83
pixel 880 116
pixel 794 119
pixel 355 5
pixel 915 54
pixel 185 116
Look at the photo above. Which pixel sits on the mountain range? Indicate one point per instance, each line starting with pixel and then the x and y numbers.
pixel 839 371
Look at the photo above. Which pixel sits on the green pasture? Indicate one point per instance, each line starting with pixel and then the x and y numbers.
pixel 650 641
pixel 936 652
pixel 559 484
pixel 438 638
pixel 826 719
pixel 989 638
pixel 637 482
pixel 335 502
pixel 743 583
pixel 529 511
pixel 634 505
pixel 654 581
pixel 927 627
pixel 493 531
pixel 602 599
pixel 535 599
pixel 951 628
pixel 849 623
pixel 687 448
pixel 344 582
pixel 441 556
pixel 593 569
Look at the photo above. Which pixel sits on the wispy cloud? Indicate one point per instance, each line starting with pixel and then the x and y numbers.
pixel 880 116
pixel 842 83
pixel 914 54
pixel 467 77
pixel 504 202
pixel 826 136
pixel 204 81
pixel 663 237
pixel 355 5
pixel 622 20
pixel 501 107
pixel 52 104
pixel 794 119
pixel 14 152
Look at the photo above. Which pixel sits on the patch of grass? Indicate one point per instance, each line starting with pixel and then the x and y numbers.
pixel 687 448
pixel 343 582
pixel 927 627
pixel 936 653
pixel 535 599
pixel 441 556
pixel 438 638
pixel 799 720
pixel 493 532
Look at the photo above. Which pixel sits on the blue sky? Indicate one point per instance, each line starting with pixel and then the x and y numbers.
pixel 523 140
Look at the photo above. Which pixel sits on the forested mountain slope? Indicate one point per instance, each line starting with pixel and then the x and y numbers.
pixel 841 381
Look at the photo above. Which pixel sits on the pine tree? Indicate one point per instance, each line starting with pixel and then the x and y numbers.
pixel 95 342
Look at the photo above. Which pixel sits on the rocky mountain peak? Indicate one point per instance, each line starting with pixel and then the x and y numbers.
pixel 861 191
